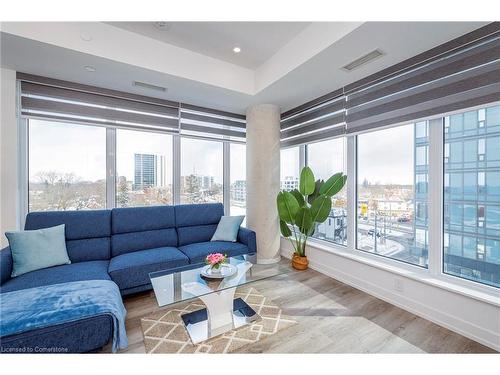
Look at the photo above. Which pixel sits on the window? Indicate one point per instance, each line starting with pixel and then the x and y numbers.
pixel 325 159
pixel 392 193
pixel 67 166
pixel 238 188
pixel 143 168
pixel 289 168
pixel 473 197
pixel 201 171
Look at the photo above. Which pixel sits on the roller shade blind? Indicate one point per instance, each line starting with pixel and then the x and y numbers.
pixel 210 123
pixel 459 79
pixel 317 121
pixel 68 101
pixel 458 74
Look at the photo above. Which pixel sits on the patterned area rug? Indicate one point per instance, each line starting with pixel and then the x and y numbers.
pixel 164 331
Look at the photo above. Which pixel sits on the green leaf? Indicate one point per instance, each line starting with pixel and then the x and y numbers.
pixel 285 229
pixel 303 220
pixel 320 208
pixel 317 187
pixel 287 206
pixel 333 185
pixel 299 197
pixel 306 183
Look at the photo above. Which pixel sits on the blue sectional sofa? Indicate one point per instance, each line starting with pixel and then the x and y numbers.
pixel 123 245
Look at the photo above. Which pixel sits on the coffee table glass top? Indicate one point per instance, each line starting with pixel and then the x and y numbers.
pixel 183 283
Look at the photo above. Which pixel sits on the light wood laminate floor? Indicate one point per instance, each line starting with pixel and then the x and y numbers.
pixel 333 318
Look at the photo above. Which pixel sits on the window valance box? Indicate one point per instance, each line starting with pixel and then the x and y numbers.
pixel 461 73
pixel 67 101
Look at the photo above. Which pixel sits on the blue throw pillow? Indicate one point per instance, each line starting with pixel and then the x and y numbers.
pixel 228 228
pixel 36 249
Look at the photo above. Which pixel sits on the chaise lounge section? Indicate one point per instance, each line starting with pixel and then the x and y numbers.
pixel 123 245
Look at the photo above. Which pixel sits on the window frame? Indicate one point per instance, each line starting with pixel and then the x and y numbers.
pixel 436 183
pixel 111 148
pixel 225 167
pixel 304 161
pixel 434 274
pixel 112 153
pixel 415 165
pixel 24 142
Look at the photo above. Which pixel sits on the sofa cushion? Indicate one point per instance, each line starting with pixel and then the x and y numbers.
pixel 5 264
pixel 197 252
pixel 80 336
pixel 132 269
pixel 187 215
pixel 92 270
pixel 93 226
pixel 142 228
pixel 197 222
pixel 138 219
pixel 136 241
pixel 199 233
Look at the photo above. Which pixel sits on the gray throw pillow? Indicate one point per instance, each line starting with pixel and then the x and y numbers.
pixel 227 229
pixel 36 249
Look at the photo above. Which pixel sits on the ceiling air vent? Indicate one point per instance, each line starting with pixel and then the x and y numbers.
pixel 363 60
pixel 149 86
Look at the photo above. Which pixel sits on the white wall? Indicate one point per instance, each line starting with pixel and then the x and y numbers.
pixel 8 154
pixel 472 317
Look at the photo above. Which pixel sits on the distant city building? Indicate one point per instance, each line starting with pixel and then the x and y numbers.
pixel 203 182
pixel 334 228
pixel 149 171
pixel 394 207
pixel 289 183
pixel 239 191
pixel 207 182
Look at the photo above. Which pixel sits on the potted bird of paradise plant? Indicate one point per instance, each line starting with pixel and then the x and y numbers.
pixel 300 210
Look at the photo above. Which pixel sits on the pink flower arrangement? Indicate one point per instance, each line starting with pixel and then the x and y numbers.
pixel 215 260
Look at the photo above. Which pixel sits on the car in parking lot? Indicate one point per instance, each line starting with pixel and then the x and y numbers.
pixel 371 233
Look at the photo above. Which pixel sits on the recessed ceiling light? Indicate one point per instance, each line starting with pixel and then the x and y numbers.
pixel 85 37
pixel 89 68
pixel 236 49
pixel 162 25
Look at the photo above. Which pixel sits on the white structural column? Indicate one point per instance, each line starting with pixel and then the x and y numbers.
pixel 263 179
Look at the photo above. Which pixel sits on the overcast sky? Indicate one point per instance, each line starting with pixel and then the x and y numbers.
pixel 384 156
pixel 82 150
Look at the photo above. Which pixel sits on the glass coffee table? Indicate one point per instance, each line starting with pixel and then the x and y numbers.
pixel 223 312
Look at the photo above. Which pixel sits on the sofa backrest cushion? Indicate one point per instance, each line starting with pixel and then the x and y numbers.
pixel 87 231
pixel 141 228
pixel 5 264
pixel 197 222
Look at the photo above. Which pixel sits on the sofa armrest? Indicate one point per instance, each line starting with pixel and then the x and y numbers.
pixel 5 264
pixel 248 237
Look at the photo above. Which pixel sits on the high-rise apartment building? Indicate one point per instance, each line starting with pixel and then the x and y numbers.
pixel 472 195
pixel 148 171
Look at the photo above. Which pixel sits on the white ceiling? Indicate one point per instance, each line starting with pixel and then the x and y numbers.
pixel 307 66
pixel 258 40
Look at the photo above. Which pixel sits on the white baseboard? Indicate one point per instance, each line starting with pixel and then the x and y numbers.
pixel 453 323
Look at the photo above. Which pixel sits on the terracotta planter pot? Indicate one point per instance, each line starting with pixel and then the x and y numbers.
pixel 299 263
